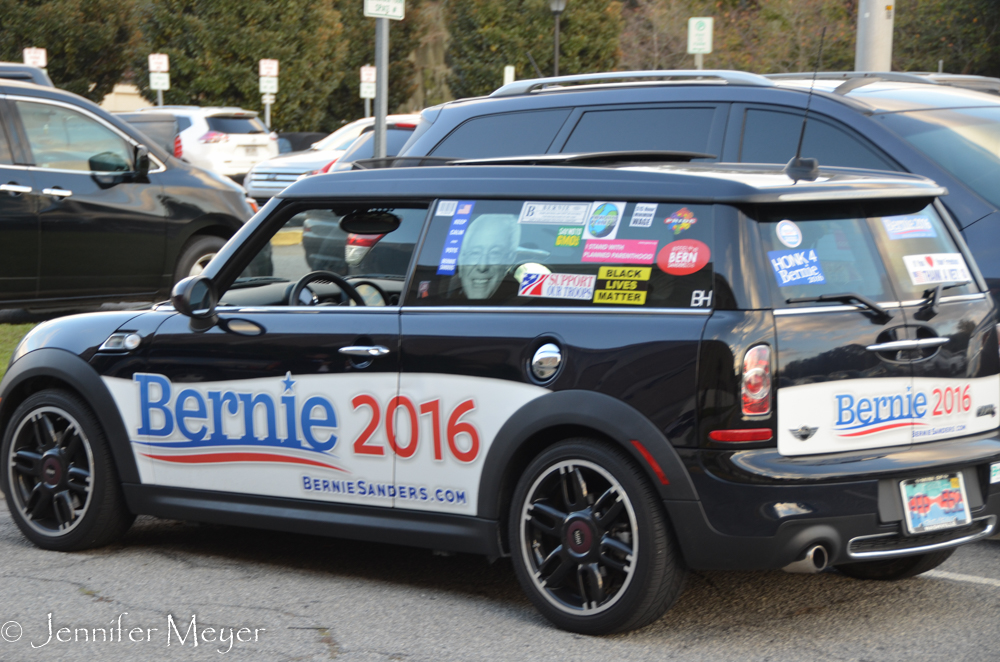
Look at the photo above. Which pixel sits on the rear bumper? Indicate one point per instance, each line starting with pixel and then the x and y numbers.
pixel 758 510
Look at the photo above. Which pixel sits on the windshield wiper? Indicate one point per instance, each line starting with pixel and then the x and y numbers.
pixel 932 297
pixel 881 314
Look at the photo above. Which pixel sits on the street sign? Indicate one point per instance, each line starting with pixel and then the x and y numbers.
pixel 367 90
pixel 159 81
pixel 267 98
pixel 394 9
pixel 268 84
pixel 368 74
pixel 268 69
pixel 36 57
pixel 700 35
pixel 159 63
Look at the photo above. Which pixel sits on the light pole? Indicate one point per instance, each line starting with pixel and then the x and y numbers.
pixel 557 7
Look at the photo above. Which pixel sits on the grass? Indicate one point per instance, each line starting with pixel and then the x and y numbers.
pixel 10 335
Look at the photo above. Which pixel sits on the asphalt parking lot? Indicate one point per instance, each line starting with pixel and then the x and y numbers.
pixel 312 598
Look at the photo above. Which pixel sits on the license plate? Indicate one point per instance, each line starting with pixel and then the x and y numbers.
pixel 251 151
pixel 935 502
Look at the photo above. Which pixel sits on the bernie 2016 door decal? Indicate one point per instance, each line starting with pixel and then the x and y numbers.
pixel 344 438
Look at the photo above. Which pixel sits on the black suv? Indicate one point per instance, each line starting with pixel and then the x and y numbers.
pixel 610 374
pixel 888 121
pixel 92 211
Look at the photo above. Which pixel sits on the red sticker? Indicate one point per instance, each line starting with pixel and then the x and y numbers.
pixel 680 258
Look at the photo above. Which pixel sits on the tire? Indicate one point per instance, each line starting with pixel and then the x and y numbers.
pixel 566 521
pixel 58 475
pixel 893 569
pixel 196 255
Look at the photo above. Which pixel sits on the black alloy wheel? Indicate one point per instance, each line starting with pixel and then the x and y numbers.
pixel 58 478
pixel 590 541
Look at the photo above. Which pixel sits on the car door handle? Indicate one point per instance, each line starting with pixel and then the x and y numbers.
pixel 903 345
pixel 15 188
pixel 58 192
pixel 364 350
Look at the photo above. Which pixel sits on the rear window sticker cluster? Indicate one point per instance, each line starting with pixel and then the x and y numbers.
pixel 936 268
pixel 624 285
pixel 558 286
pixel 456 233
pixel 796 267
pixel 788 233
pixel 642 215
pixel 681 220
pixel 446 208
pixel 683 257
pixel 554 213
pixel 908 227
pixel 603 220
pixel 569 237
pixel 624 251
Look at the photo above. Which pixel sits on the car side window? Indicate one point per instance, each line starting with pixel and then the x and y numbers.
pixel 773 136
pixel 313 240
pixel 507 134
pixel 546 253
pixel 63 139
pixel 6 157
pixel 668 129
pixel 183 123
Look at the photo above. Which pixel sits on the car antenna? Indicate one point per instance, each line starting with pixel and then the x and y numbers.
pixel 799 168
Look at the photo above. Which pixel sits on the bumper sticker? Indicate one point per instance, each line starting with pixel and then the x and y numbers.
pixel 554 213
pixel 681 220
pixel 603 222
pixel 796 267
pixel 558 286
pixel 908 227
pixel 936 268
pixel 680 258
pixel 789 234
pixel 642 216
pixel 624 251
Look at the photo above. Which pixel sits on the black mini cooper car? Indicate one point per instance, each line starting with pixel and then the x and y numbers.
pixel 610 374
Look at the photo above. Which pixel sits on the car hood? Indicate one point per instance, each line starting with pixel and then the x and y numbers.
pixel 310 159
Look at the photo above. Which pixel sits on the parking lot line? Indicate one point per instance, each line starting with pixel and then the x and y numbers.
pixel 958 577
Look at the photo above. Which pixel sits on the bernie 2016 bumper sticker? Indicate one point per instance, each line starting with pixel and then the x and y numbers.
pixel 558 286
pixel 796 267
pixel 908 227
pixel 936 268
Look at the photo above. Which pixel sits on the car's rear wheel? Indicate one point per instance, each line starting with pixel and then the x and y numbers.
pixel 196 255
pixel 59 477
pixel 590 541
pixel 892 569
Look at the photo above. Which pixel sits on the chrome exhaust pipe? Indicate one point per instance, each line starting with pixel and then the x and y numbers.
pixel 814 560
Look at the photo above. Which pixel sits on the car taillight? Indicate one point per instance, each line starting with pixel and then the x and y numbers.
pixel 325 169
pixel 357 247
pixel 253 205
pixel 214 137
pixel 178 147
pixel 273 135
pixel 755 390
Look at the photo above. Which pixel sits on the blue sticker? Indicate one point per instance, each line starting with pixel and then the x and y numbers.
pixel 456 233
pixel 796 267
pixel 908 227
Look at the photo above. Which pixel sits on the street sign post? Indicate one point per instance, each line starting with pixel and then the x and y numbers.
pixel 268 72
pixel 36 57
pixel 367 87
pixel 508 74
pixel 391 9
pixel 700 38
pixel 159 76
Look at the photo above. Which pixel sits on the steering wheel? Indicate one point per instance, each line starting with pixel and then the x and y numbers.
pixel 328 277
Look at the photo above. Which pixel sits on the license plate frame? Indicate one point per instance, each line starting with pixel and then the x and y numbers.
pixel 251 150
pixel 934 503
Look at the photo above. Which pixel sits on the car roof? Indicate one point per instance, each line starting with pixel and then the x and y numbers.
pixel 207 111
pixel 695 183
pixel 894 96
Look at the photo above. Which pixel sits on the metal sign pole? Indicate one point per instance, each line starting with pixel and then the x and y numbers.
pixel 382 84
pixel 159 97
pixel 267 115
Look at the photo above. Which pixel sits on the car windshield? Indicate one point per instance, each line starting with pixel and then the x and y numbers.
pixel 963 141
pixel 341 138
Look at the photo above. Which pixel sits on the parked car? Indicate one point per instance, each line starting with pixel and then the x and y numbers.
pixel 398 130
pixel 26 73
pixel 944 132
pixel 610 374
pixel 93 211
pixel 227 141
pixel 270 177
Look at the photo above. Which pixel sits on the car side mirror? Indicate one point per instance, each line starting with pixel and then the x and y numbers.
pixel 141 162
pixel 107 162
pixel 195 297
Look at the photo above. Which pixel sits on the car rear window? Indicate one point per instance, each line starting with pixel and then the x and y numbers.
pixel 616 254
pixel 227 124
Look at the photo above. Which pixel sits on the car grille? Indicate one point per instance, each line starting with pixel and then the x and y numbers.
pixel 888 543
pixel 275 181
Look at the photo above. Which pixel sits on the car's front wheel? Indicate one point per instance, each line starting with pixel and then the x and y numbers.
pixel 893 569
pixel 590 541
pixel 196 255
pixel 59 477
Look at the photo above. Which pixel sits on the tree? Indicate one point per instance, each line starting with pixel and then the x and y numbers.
pixel 214 48
pixel 487 35
pixel 962 33
pixel 89 42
